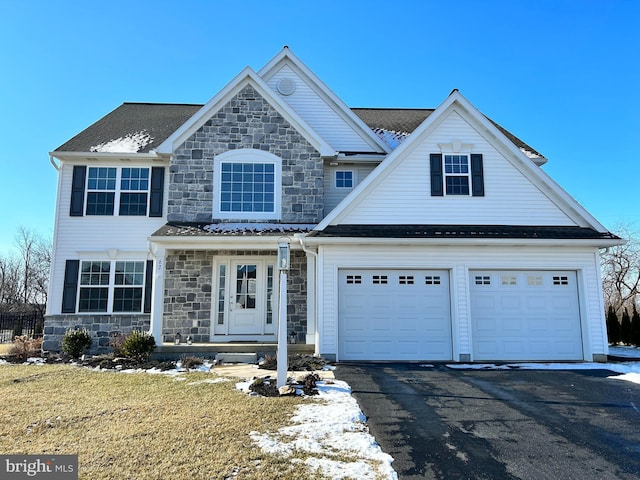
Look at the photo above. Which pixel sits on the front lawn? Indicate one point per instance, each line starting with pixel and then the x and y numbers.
pixel 141 426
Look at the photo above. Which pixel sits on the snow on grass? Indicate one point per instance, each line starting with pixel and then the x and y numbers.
pixel 130 143
pixel 329 428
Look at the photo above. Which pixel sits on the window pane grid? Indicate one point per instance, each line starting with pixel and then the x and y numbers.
pixel 103 193
pixel 129 273
pixel 457 185
pixel 123 281
pixel 247 187
pixel 344 179
pixel 127 299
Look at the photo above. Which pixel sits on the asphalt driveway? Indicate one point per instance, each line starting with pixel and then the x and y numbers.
pixel 441 423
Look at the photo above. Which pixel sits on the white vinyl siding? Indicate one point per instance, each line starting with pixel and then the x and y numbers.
pixel 404 195
pixel 333 195
pixel 458 261
pixel 93 237
pixel 321 116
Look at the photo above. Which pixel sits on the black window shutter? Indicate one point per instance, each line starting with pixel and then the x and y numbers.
pixel 436 174
pixel 70 286
pixel 477 175
pixel 77 191
pixel 157 191
pixel 148 282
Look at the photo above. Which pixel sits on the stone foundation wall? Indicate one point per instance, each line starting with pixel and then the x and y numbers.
pixel 101 328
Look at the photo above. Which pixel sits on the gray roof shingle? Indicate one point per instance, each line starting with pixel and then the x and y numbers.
pixel 160 120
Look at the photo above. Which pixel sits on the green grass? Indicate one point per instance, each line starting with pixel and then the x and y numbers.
pixel 141 426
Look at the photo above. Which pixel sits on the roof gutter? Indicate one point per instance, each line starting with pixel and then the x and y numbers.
pixel 152 155
pixel 451 242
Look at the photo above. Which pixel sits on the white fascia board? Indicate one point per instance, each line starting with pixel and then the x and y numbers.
pixel 452 242
pixel 245 77
pixel 205 242
pixel 321 88
pixel 92 156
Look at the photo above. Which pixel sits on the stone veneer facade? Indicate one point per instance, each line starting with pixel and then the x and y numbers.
pixel 188 293
pixel 100 327
pixel 246 121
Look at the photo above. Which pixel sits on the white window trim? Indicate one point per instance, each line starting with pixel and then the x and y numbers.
pixel 247 155
pixel 446 175
pixel 111 287
pixel 118 191
pixel 456 147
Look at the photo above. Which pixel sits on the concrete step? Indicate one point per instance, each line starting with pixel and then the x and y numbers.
pixel 237 357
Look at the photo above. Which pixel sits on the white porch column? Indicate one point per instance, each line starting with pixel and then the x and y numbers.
pixel 312 333
pixel 157 299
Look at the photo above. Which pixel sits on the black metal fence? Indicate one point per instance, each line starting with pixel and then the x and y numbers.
pixel 12 324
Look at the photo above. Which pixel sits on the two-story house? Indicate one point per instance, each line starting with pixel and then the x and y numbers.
pixel 415 234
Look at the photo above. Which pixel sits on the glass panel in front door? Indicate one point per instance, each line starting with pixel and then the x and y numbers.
pixel 246 279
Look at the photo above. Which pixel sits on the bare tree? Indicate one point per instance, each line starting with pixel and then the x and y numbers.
pixel 24 277
pixel 621 270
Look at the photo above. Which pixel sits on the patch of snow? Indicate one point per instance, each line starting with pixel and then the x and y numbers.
pixel 329 427
pixel 529 153
pixel 624 351
pixel 211 380
pixel 391 137
pixel 258 227
pixel 630 370
pixel 130 143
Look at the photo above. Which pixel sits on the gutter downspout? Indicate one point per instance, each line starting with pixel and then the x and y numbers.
pixel 312 320
pixel 52 161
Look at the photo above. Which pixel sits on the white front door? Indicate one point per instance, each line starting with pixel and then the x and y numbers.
pixel 244 291
pixel 246 308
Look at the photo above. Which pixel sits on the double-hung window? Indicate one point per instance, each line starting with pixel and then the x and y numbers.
pixel 456 174
pixel 110 189
pixel 121 191
pixel 111 286
pixel 247 185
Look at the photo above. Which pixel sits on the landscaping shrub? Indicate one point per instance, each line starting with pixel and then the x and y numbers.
pixel 76 342
pixel 117 343
pixel 625 328
pixel 138 346
pixel 24 347
pixel 635 328
pixel 613 326
pixel 189 361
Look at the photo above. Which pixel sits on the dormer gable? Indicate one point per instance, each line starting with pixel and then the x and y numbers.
pixel 504 186
pixel 246 77
pixel 312 99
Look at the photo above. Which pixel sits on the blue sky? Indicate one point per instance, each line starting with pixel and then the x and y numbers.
pixel 563 75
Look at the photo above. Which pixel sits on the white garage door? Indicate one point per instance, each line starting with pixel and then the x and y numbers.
pixel 525 315
pixel 394 315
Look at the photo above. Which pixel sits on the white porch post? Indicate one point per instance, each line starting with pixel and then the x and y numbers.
pixel 311 299
pixel 157 300
pixel 282 357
